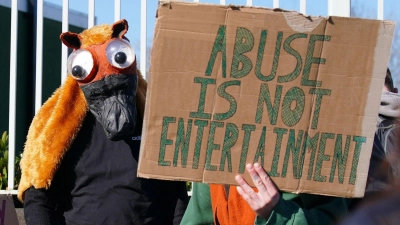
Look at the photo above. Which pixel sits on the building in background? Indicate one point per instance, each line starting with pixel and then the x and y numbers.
pixel 26 60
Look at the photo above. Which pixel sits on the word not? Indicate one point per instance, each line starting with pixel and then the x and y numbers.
pixel 290 116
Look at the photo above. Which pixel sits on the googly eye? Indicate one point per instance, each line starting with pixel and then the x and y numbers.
pixel 80 64
pixel 120 54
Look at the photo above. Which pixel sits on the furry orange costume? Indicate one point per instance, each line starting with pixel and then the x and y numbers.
pixel 52 130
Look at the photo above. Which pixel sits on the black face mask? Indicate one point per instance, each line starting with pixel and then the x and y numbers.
pixel 113 102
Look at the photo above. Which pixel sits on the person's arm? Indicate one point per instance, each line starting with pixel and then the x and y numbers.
pixel 326 210
pixel 40 207
pixel 199 210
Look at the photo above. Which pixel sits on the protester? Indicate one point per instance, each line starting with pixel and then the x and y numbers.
pixel 388 129
pixel 220 204
pixel 80 160
pixel 384 168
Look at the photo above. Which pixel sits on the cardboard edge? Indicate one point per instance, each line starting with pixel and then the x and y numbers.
pixel 302 23
pixel 381 61
pixel 163 177
pixel 171 3
pixel 149 93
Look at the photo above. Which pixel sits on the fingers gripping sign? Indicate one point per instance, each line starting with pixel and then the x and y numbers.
pixel 263 201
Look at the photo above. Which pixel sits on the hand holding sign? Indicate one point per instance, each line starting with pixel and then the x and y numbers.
pixel 263 201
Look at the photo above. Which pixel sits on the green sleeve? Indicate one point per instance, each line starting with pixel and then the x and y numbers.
pixel 306 209
pixel 199 210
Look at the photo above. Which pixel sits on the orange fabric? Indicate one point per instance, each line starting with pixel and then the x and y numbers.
pixel 51 133
pixel 231 210
pixel 96 35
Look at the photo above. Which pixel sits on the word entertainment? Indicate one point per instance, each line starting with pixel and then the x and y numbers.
pixel 299 144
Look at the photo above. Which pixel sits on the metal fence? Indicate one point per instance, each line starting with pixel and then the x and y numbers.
pixel 335 7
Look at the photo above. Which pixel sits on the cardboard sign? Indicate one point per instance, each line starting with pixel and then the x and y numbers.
pixel 235 85
pixel 8 216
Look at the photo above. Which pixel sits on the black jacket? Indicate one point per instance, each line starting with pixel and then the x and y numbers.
pixel 97 184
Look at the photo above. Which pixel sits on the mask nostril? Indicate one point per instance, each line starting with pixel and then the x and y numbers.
pixel 120 57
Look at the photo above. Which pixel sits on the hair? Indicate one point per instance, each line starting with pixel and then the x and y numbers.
pixel 389 80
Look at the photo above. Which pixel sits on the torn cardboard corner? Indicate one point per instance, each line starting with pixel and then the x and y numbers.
pixel 297 94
